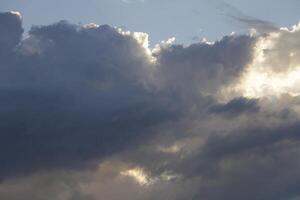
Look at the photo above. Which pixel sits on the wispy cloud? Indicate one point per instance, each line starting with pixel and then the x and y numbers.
pixel 250 22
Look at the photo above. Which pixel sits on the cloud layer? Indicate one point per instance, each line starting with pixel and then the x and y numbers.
pixel 91 112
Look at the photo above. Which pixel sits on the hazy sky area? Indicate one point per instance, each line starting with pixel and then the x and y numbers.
pixel 186 20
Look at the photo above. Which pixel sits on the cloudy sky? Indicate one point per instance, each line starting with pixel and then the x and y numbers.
pixel 187 20
pixel 127 100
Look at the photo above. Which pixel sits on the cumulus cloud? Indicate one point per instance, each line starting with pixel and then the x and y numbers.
pixel 11 31
pixel 73 84
pixel 203 68
pixel 91 112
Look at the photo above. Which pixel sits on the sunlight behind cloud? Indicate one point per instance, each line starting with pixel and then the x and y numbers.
pixel 139 175
pixel 275 68
pixel 259 84
pixel 16 13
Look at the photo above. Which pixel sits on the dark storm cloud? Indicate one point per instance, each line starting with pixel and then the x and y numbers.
pixel 75 98
pixel 10 31
pixel 244 140
pixel 69 95
pixel 73 94
pixel 261 158
pixel 246 163
pixel 237 106
pixel 204 67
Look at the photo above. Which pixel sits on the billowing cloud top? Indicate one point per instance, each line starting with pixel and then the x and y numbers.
pixel 91 112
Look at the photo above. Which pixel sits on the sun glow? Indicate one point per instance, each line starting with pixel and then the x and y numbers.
pixel 16 13
pixel 139 175
pixel 265 77
pixel 260 83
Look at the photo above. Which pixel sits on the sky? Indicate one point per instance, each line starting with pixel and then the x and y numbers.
pixel 186 20
pixel 98 100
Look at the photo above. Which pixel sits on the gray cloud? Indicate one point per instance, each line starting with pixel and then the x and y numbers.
pixel 237 106
pixel 262 26
pixel 203 67
pixel 89 112
pixel 10 31
pixel 78 99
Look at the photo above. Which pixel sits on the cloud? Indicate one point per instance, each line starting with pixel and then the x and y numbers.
pixel 202 67
pixel 73 94
pixel 262 26
pixel 237 106
pixel 10 31
pixel 91 112
pixel 275 67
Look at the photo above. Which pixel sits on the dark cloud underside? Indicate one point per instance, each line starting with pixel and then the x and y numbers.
pixel 107 118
